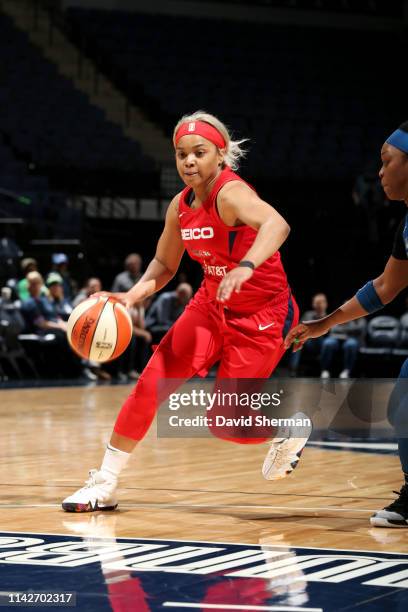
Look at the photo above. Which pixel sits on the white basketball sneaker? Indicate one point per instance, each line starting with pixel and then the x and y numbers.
pixel 284 453
pixel 97 494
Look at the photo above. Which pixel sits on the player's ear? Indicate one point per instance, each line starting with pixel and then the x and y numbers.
pixel 221 154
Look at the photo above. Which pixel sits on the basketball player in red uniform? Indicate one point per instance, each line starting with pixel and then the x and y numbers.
pixel 239 315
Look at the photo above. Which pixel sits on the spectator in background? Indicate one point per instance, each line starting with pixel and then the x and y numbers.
pixel 10 314
pixel 132 362
pixel 182 277
pixel 27 265
pixel 167 309
pixel 39 312
pixel 62 307
pixel 60 264
pixel 92 285
pixel 143 338
pixel 346 338
pixel 41 319
pixel 313 347
pixel 92 369
pixel 126 279
pixel 44 315
pixel 11 325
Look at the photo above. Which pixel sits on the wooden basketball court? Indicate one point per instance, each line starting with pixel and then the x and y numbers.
pixel 200 490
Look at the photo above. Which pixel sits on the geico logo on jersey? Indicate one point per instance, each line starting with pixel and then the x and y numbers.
pixel 197 233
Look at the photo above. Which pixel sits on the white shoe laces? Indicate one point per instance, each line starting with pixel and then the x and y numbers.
pixel 281 456
pixel 91 482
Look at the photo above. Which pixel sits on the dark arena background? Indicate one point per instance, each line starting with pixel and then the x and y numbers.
pixel 90 93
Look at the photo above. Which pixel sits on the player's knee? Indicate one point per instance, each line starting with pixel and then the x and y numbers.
pixel 139 409
pixel 146 386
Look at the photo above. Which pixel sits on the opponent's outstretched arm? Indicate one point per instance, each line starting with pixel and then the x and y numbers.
pixel 370 298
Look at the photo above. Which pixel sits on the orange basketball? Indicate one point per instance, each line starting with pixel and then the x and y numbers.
pixel 99 329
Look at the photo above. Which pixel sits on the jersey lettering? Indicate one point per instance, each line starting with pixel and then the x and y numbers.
pixel 215 270
pixel 197 233
pixel 218 248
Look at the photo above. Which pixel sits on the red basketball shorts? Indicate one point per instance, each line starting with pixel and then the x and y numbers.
pixel 246 346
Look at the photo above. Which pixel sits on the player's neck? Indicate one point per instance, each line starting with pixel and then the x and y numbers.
pixel 202 192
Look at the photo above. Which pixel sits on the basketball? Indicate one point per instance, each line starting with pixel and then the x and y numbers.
pixel 99 329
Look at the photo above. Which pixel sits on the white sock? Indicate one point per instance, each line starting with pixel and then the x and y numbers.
pixel 114 462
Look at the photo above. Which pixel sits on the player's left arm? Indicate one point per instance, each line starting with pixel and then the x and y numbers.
pixel 239 204
pixel 237 201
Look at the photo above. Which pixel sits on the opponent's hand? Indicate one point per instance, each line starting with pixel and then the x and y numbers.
pixel 302 332
pixel 233 282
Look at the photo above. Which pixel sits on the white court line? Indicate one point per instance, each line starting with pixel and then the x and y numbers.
pixel 29 506
pixel 209 507
pixel 371 445
pixel 178 604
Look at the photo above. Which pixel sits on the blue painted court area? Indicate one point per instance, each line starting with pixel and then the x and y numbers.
pixel 143 575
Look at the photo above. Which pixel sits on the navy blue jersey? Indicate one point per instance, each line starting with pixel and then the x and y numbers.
pixel 400 249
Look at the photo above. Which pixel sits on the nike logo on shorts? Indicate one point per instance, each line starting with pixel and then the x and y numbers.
pixel 262 327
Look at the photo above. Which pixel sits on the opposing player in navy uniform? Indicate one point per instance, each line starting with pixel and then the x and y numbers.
pixel 370 298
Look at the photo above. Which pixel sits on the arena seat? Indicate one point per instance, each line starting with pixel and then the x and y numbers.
pixel 50 131
pixel 300 89
pixel 383 334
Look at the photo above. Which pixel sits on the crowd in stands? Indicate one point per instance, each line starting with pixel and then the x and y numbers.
pixel 35 307
pixel 34 310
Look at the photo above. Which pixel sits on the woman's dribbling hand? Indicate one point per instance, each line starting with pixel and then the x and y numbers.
pixel 123 298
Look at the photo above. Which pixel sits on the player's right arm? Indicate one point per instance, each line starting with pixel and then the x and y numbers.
pixel 165 263
pixel 387 286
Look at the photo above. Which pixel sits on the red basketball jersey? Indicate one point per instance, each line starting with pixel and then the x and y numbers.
pixel 219 248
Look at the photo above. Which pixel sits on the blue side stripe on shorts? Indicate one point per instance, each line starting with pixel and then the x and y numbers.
pixel 289 316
